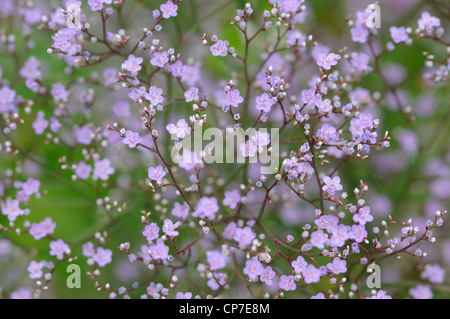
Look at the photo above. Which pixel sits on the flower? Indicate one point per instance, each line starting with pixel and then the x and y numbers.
pixel 421 292
pixel 216 260
pixel 40 124
pixel 427 22
pixel 131 139
pixel 244 236
pixel 358 233
pixel 331 185
pixel 11 209
pixel 311 274
pixel 156 173
pixel 363 216
pixel 338 266
pixel 264 102
pixel 169 228
pixel 133 64
pixel 180 130
pixel 434 273
pixel 206 207
pixel 299 264
pixel 234 98
pixel 253 268
pixel 381 294
pixel 83 170
pixel 191 94
pixel 58 248
pixel 220 48
pixel 267 276
pixel 35 269
pixel 327 61
pixel 180 210
pixel 287 283
pixel 59 92
pixel 231 199
pixel 359 34
pixel 102 169
pixel 159 251
pixel 151 232
pixel 102 256
pixel 399 34
pixel 159 59
pixel 169 9
pixel 31 186
pixel 320 295
pixel 84 135
pixel 187 295
pixel 319 239
pixel 154 95
pixel 248 149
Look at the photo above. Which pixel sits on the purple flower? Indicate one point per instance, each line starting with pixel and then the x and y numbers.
pixel 88 249
pixel 31 186
pixel 121 109
pixel 191 94
pixel 154 95
pixel 110 75
pixel 156 173
pixel 234 98
pixel 264 102
pixel 132 64
pixel 62 42
pixel 187 295
pixel 324 105
pixel 427 22
pixel 338 266
pixel 102 169
pixel 319 239
pixel 59 92
pixel 181 129
pixel 83 170
pixel 220 48
pixel 159 251
pixel 58 248
pixel 40 124
pixel 216 260
pixel 55 125
pixel 96 5
pixel 421 292
pixel 169 10
pixel 327 222
pixel 131 139
pixel 327 61
pixel 169 228
pixel 102 256
pixel 359 34
pixel 339 235
pixel 37 230
pixel 331 185
pixel 84 135
pixel 21 293
pixel 151 232
pixel 328 133
pixel 320 295
pixel 261 139
pixel 287 283
pixel 30 69
pixel 434 273
pixel 299 265
pixel 206 207
pixel 159 59
pixel 244 236
pixel 363 216
pixel 248 149
pixel 381 294
pixel 289 6
pixel 399 34
pixel 231 199
pixel 358 233
pixel 152 289
pixel 177 69
pixel 253 268
pixel 311 274
pixel 267 276
pixel 360 61
pixel 11 209
pixel 180 211
pixel 35 269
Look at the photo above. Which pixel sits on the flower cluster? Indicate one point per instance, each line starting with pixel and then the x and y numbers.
pixel 95 129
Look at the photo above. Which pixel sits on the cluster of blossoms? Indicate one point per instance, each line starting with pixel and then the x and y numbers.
pixel 115 131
